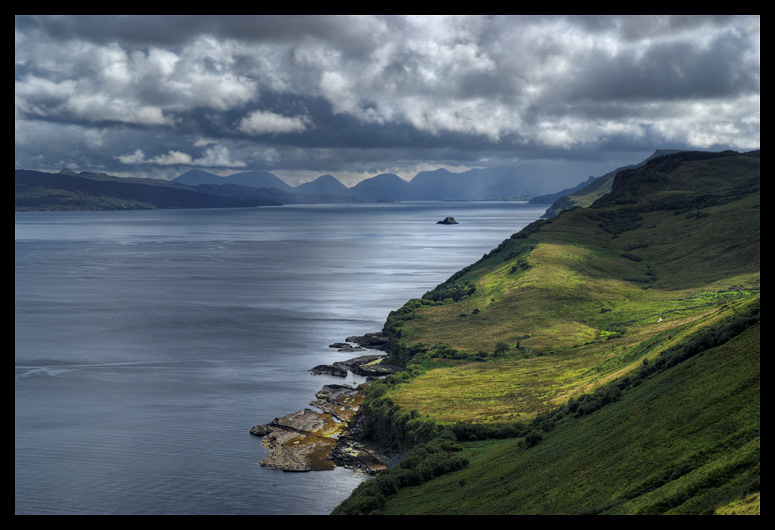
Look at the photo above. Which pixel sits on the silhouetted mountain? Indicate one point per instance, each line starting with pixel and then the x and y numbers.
pixel 196 177
pixel 502 183
pixel 253 179
pixel 323 185
pixel 383 187
pixel 258 179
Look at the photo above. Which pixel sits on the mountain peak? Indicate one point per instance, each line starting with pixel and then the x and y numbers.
pixel 323 185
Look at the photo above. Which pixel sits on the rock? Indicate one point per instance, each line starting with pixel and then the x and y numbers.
pixel 300 441
pixel 342 402
pixel 346 348
pixel 355 455
pixel 260 430
pixel 366 365
pixel 308 440
pixel 373 341
pixel 305 440
pixel 374 370
pixel 327 369
pixel 448 221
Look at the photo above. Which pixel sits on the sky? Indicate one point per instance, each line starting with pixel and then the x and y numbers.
pixel 560 97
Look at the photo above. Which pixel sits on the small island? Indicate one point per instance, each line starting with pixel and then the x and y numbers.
pixel 449 220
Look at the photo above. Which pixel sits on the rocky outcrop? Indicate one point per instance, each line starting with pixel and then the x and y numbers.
pixel 447 221
pixel 368 365
pixel 365 365
pixel 345 347
pixel 372 341
pixel 329 369
pixel 316 440
pixel 300 441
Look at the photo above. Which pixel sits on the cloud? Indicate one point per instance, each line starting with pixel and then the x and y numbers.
pixel 216 156
pixel 284 93
pixel 263 122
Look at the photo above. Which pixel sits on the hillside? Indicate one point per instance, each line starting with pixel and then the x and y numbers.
pixel 603 361
pixel 35 190
pixel 593 189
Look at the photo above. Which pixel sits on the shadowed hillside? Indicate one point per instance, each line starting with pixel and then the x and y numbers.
pixel 35 190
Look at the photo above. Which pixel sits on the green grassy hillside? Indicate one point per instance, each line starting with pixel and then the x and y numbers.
pixel 683 441
pixel 587 337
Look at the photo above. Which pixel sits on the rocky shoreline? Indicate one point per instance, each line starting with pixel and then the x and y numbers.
pixel 317 440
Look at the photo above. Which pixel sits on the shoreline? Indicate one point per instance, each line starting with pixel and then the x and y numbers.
pixel 320 440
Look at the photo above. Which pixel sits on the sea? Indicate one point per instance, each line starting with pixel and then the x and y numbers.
pixel 148 343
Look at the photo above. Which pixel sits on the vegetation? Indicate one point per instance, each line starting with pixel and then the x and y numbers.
pixel 603 361
pixel 35 191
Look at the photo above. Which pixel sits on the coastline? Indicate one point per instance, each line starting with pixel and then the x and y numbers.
pixel 320 440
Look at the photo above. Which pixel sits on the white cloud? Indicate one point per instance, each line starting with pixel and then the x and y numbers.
pixel 138 157
pixel 264 122
pixel 216 156
pixel 171 158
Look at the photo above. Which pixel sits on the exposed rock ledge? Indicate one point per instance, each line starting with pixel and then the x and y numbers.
pixel 308 440
pixel 366 365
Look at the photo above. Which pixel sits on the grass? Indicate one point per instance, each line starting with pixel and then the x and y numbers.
pixel 685 441
pixel 570 305
pixel 582 300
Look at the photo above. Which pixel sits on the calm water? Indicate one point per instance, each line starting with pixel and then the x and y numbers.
pixel 148 343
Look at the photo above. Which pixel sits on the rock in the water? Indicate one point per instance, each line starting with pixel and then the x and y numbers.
pixel 449 220
pixel 328 369
pixel 304 440
pixel 300 441
pixel 373 341
pixel 309 440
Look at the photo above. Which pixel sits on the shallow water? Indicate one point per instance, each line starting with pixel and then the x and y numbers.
pixel 149 342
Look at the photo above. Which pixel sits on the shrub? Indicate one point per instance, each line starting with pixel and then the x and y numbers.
pixel 501 347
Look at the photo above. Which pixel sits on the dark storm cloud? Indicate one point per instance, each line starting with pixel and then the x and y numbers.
pixel 156 95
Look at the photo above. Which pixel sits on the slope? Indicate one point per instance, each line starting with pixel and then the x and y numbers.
pixel 573 313
pixel 683 441
pixel 35 190
pixel 596 188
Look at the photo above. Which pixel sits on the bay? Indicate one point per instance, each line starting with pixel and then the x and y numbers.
pixel 147 343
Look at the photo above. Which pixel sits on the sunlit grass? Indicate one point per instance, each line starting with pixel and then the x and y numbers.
pixel 579 301
pixel 665 447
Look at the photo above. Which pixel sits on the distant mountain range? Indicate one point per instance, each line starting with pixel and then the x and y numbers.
pixel 438 185
pixel 196 188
